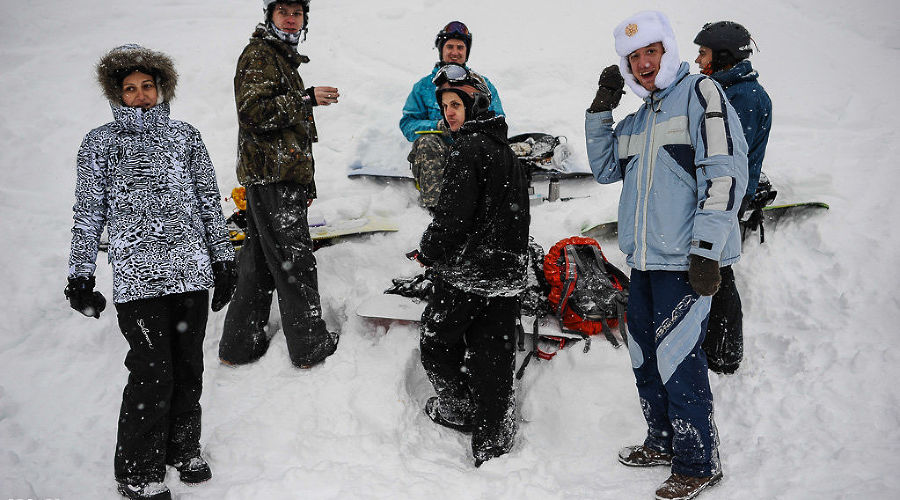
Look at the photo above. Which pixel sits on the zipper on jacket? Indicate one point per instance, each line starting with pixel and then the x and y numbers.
pixel 641 207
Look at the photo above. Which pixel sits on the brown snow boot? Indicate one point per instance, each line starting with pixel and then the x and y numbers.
pixel 680 487
pixel 641 456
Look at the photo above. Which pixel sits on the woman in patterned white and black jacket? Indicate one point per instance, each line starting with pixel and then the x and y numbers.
pixel 149 180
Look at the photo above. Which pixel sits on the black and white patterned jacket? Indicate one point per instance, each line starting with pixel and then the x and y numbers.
pixel 149 180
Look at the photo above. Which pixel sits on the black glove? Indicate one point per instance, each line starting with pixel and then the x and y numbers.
pixel 226 282
pixel 744 204
pixel 609 91
pixel 83 298
pixel 704 275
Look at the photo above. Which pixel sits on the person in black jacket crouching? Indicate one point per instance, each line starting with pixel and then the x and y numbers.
pixel 476 246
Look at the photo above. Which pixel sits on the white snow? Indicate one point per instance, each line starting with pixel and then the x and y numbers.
pixel 814 411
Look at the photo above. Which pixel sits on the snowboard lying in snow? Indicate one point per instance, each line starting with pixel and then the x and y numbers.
pixel 324 232
pixel 771 216
pixel 389 306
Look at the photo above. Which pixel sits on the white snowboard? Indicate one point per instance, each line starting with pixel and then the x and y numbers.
pixel 392 306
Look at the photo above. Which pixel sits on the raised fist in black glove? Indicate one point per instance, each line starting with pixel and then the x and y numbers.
pixel 609 91
pixel 704 275
pixel 226 282
pixel 83 298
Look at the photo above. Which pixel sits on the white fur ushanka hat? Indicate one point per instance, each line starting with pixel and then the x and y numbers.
pixel 641 30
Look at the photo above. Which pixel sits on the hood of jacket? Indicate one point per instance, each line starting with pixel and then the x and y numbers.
pixel 121 61
pixel 740 72
pixel 488 123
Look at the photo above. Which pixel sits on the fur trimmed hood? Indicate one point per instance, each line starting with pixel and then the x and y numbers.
pixel 122 61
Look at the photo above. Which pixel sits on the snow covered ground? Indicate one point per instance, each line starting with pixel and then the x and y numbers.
pixel 814 411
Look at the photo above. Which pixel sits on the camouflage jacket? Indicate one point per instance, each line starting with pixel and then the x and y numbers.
pixel 276 126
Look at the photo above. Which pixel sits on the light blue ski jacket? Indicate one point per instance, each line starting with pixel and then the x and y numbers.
pixel 421 111
pixel 683 162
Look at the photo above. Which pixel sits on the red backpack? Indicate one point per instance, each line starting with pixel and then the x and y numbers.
pixel 587 292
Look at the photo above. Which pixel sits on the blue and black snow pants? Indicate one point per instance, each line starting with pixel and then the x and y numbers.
pixel 667 324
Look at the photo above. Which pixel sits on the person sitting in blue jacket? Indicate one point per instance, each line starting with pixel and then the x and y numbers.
pixel 422 122
pixel 724 49
pixel 683 165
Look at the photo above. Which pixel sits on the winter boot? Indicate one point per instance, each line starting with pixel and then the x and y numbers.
pixel 323 351
pixel 680 487
pixel 482 455
pixel 641 456
pixel 145 491
pixel 462 423
pixel 193 470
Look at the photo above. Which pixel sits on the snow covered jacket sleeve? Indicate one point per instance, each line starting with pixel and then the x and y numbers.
pixel 683 164
pixel 276 125
pixel 422 112
pixel 90 207
pixel 206 188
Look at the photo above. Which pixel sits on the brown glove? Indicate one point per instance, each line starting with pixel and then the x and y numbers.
pixel 703 275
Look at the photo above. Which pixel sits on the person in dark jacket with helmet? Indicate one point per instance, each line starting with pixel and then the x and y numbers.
pixel 724 49
pixel 476 246
pixel 275 164
pixel 149 181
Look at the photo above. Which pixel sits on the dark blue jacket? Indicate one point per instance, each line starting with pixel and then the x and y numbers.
pixel 754 108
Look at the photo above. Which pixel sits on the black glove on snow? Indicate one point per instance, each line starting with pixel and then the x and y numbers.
pixel 226 282
pixel 83 298
pixel 703 275
pixel 610 90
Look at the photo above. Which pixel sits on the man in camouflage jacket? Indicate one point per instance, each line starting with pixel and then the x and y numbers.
pixel 275 164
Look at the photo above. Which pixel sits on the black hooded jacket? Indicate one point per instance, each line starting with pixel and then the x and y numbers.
pixel 478 239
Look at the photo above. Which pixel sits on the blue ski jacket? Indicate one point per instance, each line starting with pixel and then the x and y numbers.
pixel 754 108
pixel 683 163
pixel 421 111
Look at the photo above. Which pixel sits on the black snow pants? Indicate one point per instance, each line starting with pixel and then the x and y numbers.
pixel 724 344
pixel 159 421
pixel 468 351
pixel 276 255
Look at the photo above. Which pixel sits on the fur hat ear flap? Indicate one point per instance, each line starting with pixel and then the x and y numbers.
pixel 641 30
pixel 121 61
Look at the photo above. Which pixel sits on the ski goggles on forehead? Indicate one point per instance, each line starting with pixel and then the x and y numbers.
pixel 456 27
pixel 451 73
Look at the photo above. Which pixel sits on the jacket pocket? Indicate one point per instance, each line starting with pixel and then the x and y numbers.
pixel 671 222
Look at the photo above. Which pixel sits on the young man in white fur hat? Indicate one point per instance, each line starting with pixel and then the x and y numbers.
pixel 683 162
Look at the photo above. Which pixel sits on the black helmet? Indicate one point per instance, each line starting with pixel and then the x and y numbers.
pixel 269 6
pixel 454 30
pixel 729 41
pixel 453 78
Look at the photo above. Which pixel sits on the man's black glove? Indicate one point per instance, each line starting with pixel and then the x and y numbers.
pixel 226 282
pixel 704 275
pixel 83 298
pixel 745 203
pixel 609 91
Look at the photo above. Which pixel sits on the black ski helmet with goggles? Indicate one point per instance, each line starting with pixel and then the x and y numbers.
pixel 269 7
pixel 453 76
pixel 729 42
pixel 454 30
